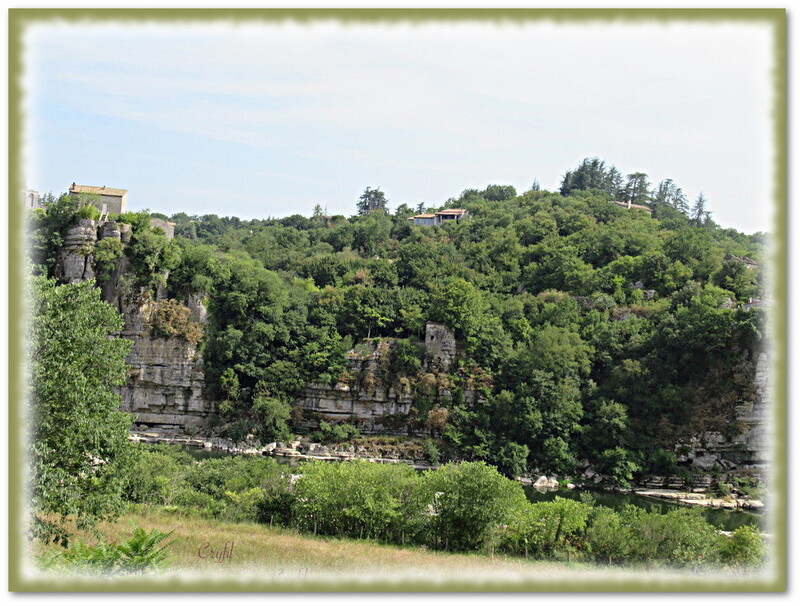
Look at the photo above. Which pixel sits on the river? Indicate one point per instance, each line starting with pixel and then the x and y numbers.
pixel 726 519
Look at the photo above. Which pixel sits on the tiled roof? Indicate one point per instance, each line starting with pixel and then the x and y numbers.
pixel 424 216
pixel 452 211
pixel 102 191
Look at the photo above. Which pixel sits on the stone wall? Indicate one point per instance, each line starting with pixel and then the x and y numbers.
pixel 440 344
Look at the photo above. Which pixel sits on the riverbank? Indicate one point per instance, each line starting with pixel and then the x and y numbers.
pixel 299 450
pixel 305 450
pixel 701 499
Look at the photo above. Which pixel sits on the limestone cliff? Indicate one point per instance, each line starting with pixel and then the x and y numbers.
pixel 375 399
pixel 746 445
pixel 166 380
pixel 366 397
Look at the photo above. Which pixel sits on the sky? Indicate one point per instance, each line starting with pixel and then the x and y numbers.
pixel 261 120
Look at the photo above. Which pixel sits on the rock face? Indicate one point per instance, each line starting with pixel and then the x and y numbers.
pixel 750 449
pixel 371 397
pixel 366 399
pixel 166 379
pixel 76 258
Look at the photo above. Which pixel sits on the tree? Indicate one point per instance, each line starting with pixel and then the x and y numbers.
pixel 637 189
pixel 79 447
pixel 535 186
pixel 469 501
pixel 699 213
pixel 667 193
pixel 372 200
pixel 498 193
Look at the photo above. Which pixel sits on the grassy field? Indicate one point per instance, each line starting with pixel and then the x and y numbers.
pixel 208 552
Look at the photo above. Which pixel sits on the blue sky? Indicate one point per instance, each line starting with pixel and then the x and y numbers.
pixel 265 120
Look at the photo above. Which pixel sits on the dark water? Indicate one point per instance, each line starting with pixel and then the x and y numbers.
pixel 725 519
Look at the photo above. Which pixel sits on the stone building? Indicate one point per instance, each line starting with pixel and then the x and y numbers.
pixel 167 227
pixel 30 198
pixel 110 199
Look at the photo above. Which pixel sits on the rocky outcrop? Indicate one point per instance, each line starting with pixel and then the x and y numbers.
pixel 372 397
pixel 166 380
pixel 76 257
pixel 366 398
pixel 749 449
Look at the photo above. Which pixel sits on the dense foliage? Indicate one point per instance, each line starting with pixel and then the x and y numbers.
pixel 79 448
pixel 590 330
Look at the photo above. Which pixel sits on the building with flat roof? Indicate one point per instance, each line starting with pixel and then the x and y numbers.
pixel 448 214
pixel 110 199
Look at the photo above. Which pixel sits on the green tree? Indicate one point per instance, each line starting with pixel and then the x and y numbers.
pixel 79 449
pixel 637 189
pixel 699 211
pixel 469 501
pixel 371 200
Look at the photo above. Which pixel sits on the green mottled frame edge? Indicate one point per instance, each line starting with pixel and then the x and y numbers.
pixel 18 19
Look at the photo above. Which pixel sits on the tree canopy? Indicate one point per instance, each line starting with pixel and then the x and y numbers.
pixel 79 445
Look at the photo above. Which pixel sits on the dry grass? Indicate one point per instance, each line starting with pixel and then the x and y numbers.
pixel 259 554
pixel 256 546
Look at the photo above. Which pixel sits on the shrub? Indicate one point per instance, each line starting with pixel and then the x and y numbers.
pixel 744 549
pixel 88 211
pixel 681 537
pixel 106 253
pixel 432 453
pixel 153 476
pixel 358 499
pixel 170 318
pixel 609 538
pixel 468 501
pixel 330 433
pixel 563 524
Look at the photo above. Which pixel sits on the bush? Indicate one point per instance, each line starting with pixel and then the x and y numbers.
pixel 330 433
pixel 548 528
pixel 609 538
pixel 88 211
pixel 106 253
pixel 170 318
pixel 153 476
pixel 432 453
pixel 681 537
pixel 468 501
pixel 358 499
pixel 744 549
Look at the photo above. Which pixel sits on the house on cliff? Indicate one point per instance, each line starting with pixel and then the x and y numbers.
pixel 110 199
